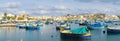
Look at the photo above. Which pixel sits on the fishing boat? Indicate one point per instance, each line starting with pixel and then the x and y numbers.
pixel 39 23
pixel 21 25
pixel 114 27
pixel 76 21
pixel 63 25
pixel 78 33
pixel 33 28
pixel 97 25
pixel 48 22
pixel 30 26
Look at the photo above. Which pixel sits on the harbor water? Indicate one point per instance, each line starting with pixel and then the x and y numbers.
pixel 46 33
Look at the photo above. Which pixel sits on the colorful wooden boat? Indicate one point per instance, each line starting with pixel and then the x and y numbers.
pixel 30 26
pixel 64 26
pixel 97 25
pixel 113 29
pixel 78 33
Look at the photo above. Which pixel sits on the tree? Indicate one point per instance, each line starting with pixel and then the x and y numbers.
pixel 14 17
pixel 119 17
pixel 8 17
pixel 20 18
pixel 28 18
pixel 5 15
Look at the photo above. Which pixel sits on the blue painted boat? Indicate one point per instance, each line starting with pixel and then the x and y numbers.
pixel 22 27
pixel 65 27
pixel 30 26
pixel 97 25
pixel 33 26
pixel 113 31
pixel 109 21
pixel 113 28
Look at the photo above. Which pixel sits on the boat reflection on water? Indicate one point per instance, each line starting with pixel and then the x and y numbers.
pixel 74 40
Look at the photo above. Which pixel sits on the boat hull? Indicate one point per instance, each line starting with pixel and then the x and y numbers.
pixel 29 27
pixel 75 36
pixel 22 27
pixel 66 28
pixel 113 31
pixel 32 28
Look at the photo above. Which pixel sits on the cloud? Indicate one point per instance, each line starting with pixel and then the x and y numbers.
pixel 63 10
pixel 47 10
pixel 60 7
pixel 53 8
pixel 65 7
pixel 100 10
pixel 115 2
pixel 14 11
pixel 97 0
pixel 44 11
pixel 10 5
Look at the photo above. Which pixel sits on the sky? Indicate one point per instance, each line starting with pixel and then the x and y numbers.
pixel 59 7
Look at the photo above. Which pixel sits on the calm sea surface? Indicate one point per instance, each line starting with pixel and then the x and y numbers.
pixel 46 33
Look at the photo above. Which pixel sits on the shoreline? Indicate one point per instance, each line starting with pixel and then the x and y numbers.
pixel 7 25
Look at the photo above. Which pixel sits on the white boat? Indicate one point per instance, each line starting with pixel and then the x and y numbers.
pixel 113 27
